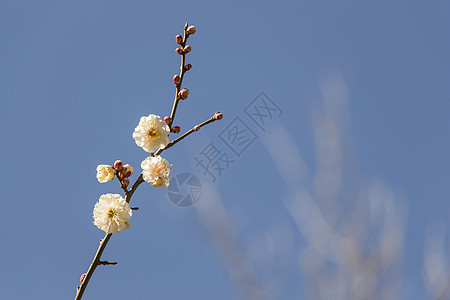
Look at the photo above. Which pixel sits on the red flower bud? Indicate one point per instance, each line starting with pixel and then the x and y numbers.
pixel 190 30
pixel 176 79
pixel 196 128
pixel 175 129
pixel 179 51
pixel 187 49
pixel 218 116
pixel 179 39
pixel 126 181
pixel 188 67
pixel 168 120
pixel 183 94
pixel 118 164
pixel 82 277
pixel 127 171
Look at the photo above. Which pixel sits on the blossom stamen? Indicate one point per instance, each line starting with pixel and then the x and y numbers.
pixel 153 133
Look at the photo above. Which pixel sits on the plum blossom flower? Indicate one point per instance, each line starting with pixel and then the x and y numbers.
pixel 151 133
pixel 112 213
pixel 156 171
pixel 105 173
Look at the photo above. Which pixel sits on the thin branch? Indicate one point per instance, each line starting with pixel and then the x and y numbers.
pixel 124 188
pixel 105 262
pixel 93 266
pixel 103 243
pixel 182 71
pixel 196 128
pixel 134 187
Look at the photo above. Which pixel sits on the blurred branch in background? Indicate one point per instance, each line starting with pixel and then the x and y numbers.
pixel 436 264
pixel 354 231
pixel 224 237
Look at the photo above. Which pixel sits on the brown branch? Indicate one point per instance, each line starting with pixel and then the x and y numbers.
pixel 103 243
pixel 124 188
pixel 182 71
pixel 93 266
pixel 129 193
pixel 196 128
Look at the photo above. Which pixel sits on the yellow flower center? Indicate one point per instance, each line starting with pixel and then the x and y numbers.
pixel 112 212
pixel 153 133
pixel 159 168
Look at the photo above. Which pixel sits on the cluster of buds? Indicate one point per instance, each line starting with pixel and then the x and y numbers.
pixel 123 172
pixel 184 50
pixel 174 129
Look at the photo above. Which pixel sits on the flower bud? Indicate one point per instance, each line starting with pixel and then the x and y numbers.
pixel 176 79
pixel 127 170
pixel 187 49
pixel 188 67
pixel 190 30
pixel 218 116
pixel 183 94
pixel 125 182
pixel 175 129
pixel 168 120
pixel 82 277
pixel 118 165
pixel 179 51
pixel 179 39
pixel 196 128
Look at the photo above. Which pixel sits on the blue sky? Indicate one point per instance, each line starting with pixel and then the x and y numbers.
pixel 367 78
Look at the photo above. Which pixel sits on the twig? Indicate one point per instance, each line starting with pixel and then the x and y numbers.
pixel 93 266
pixel 182 71
pixel 105 262
pixel 124 188
pixel 196 128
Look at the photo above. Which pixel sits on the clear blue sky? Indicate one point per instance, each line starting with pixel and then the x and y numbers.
pixel 76 76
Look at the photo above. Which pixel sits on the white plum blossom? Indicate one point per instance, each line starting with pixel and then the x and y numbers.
pixel 105 173
pixel 156 171
pixel 112 213
pixel 151 133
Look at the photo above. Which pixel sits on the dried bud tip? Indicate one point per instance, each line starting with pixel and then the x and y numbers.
pixel 118 165
pixel 176 79
pixel 218 116
pixel 175 129
pixel 188 67
pixel 82 277
pixel 196 128
pixel 187 49
pixel 183 94
pixel 168 120
pixel 179 39
pixel 190 30
pixel 125 182
pixel 179 51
